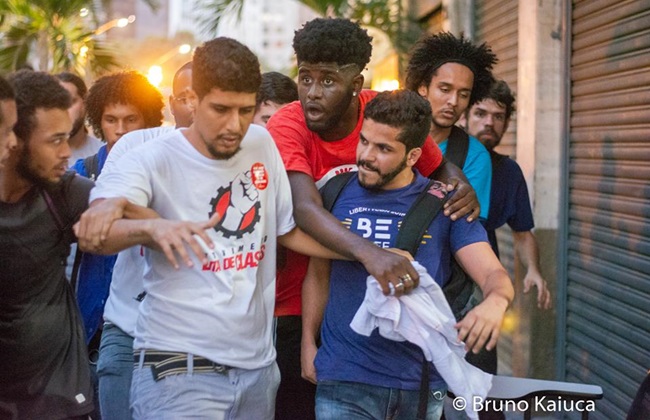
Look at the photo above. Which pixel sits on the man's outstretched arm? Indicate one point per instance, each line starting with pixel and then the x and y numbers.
pixel 96 221
pixel 315 290
pixel 172 237
pixel 481 325
pixel 310 215
pixel 527 249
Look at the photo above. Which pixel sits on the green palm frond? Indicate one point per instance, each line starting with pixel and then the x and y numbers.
pixel 210 13
pixel 15 48
pixel 385 15
pixel 54 33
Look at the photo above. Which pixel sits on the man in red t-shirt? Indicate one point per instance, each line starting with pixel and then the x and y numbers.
pixel 317 138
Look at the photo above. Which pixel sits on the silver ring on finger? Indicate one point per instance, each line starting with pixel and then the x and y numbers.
pixel 406 278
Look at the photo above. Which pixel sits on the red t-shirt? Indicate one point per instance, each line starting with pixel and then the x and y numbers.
pixel 302 150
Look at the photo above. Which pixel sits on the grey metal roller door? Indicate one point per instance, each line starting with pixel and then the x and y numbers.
pixel 607 331
pixel 496 23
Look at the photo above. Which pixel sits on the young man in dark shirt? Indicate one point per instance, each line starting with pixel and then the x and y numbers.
pixel 44 366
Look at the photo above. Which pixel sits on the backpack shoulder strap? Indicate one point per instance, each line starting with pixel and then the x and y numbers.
pixel 58 207
pixel 417 220
pixel 457 146
pixel 332 189
pixel 57 203
pixel 91 163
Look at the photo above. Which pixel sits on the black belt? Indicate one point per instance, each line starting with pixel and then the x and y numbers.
pixel 165 363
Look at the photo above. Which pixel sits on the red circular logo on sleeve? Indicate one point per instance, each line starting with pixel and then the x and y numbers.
pixel 259 176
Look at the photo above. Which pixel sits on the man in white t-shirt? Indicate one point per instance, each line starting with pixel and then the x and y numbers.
pixel 203 338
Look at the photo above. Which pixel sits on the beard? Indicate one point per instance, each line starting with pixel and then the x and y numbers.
pixel 25 170
pixel 384 178
pixel 492 142
pixel 220 155
pixel 78 125
pixel 334 118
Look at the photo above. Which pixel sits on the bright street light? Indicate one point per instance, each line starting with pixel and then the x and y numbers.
pixel 181 49
pixel 184 49
pixel 115 23
pixel 155 75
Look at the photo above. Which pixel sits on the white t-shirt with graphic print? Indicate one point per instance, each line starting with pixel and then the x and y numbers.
pixel 222 311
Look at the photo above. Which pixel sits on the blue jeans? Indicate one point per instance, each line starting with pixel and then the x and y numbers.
pixel 337 400
pixel 114 370
pixel 235 394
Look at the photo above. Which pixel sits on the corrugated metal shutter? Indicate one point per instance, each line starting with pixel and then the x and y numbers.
pixel 434 21
pixel 608 234
pixel 496 22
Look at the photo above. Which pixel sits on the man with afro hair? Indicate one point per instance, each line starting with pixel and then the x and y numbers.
pixel 452 73
pixel 317 138
pixel 116 104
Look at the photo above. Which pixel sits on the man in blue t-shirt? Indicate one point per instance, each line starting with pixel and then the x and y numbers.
pixel 488 121
pixel 358 374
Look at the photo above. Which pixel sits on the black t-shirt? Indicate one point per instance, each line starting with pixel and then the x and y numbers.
pixel 43 359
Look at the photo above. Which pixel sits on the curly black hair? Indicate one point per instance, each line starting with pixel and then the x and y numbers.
pixel 328 40
pixel 124 87
pixel 278 88
pixel 34 90
pixel 405 110
pixel 225 64
pixel 432 51
pixel 6 94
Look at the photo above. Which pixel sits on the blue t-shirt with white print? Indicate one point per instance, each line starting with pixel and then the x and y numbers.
pixel 376 215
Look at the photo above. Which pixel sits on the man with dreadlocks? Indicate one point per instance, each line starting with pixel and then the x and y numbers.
pixel 452 74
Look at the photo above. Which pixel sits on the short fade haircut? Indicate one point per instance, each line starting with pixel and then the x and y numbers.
pixel 432 51
pixel 128 88
pixel 77 81
pixel 278 88
pixel 327 40
pixel 6 94
pixel 405 110
pixel 36 90
pixel 501 94
pixel 225 64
